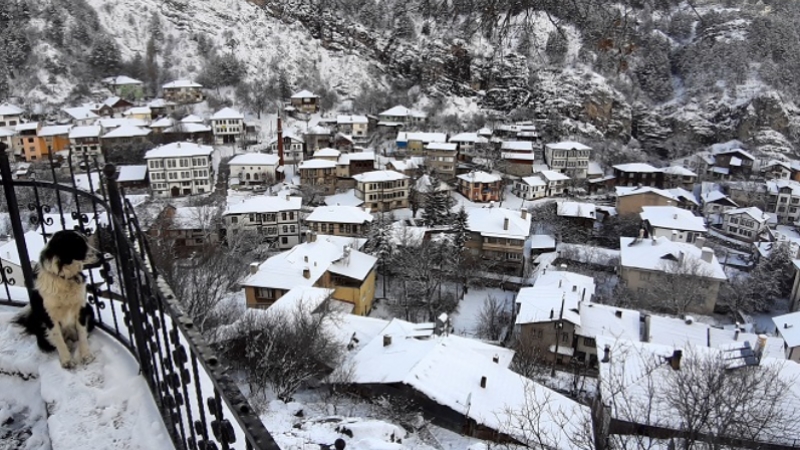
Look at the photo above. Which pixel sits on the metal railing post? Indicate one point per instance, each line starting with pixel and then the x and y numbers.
pixel 16 219
pixel 126 259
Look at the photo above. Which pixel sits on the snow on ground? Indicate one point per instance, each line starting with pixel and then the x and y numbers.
pixel 99 405
pixel 465 319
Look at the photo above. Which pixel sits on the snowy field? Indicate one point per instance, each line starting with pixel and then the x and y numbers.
pixel 465 319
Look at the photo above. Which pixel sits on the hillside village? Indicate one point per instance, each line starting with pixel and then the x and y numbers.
pixel 490 278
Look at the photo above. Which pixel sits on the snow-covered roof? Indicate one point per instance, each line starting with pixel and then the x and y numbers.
pixel 540 241
pixel 317 164
pixel 402 111
pixel 676 194
pixel 468 137
pixel 227 114
pixel 138 110
pixel 121 80
pixel 567 145
pixel 191 118
pixel 755 213
pixel 540 304
pixel 379 175
pixel 285 270
pixel 188 128
pixel 54 130
pixel 442 146
pixel 491 222
pixel 340 214
pixel 305 94
pixel 551 175
pixel 327 153
pixel 89 131
pixel 345 198
pixel 126 131
pixel 286 134
pixel 739 151
pixel 34 242
pixel 7 109
pixel 160 103
pixel 7 132
pixel 637 168
pixel 26 126
pixel 680 332
pixel 80 113
pixel 672 218
pixel 679 171
pixel 301 298
pixel 519 156
pixel 595 169
pixel 178 84
pixel 191 217
pixel 715 196
pixel 254 159
pixel 609 321
pixel 132 173
pixel 517 146
pixel 119 122
pixel 341 120
pixel 656 254
pixel 179 149
pixel 111 101
pixel 637 384
pixel 164 122
pixel 479 177
pixel 449 369
pixel 345 158
pixel 788 326
pixel 264 204
pixel 534 181
pixel 577 209
pixel 405 136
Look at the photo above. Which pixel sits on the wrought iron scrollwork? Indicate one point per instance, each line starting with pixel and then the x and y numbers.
pixel 8 270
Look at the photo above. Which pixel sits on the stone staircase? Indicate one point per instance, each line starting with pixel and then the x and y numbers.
pixel 102 405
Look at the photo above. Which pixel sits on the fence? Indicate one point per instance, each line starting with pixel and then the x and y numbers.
pixel 201 407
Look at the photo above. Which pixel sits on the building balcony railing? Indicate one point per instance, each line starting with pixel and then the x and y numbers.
pixel 200 405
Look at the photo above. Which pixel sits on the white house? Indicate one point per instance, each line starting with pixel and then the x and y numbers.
pixel 556 182
pixel 673 223
pixel 571 158
pixel 254 168
pixel 355 126
pixel 292 148
pixel 788 327
pixel 276 218
pixel 11 260
pixel 529 188
pixel 715 203
pixel 180 168
pixel 10 115
pixel 401 114
pixel 382 190
pixel 80 115
pixel 84 141
pixel 227 125
pixel 744 223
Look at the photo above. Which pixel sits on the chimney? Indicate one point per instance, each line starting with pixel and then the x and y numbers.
pixel 606 354
pixel 707 254
pixel 674 236
pixel 387 340
pixel 505 223
pixel 312 237
pixel 483 382
pixel 674 217
pixel 306 273
pixel 688 320
pixel 253 268
pixel 287 197
pixel 618 313
pixel 441 325
pixel 491 204
pixel 700 242
pixel 761 344
pixel 552 313
pixel 524 214
pixel 675 359
pixel 736 335
pixel 280 143
pixel 496 359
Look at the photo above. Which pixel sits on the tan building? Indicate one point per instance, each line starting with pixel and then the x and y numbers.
pixel 570 158
pixel 498 236
pixel 320 173
pixel 630 200
pixel 84 142
pixel 442 158
pixel 305 102
pixel 383 190
pixel 414 143
pixel 646 262
pixel 340 220
pixel 480 186
pixel 183 91
pixel 325 261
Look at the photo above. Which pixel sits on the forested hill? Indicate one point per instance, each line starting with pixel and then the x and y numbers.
pixel 674 76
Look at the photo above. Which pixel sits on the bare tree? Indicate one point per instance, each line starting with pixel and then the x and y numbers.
pixel 528 359
pixel 682 284
pixel 493 319
pixel 284 350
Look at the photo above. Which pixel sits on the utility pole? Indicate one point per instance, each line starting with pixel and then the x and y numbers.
pixel 558 326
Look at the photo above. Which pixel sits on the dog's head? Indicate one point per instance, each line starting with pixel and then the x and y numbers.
pixel 67 252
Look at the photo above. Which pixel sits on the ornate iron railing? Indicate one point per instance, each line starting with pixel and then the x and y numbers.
pixel 200 405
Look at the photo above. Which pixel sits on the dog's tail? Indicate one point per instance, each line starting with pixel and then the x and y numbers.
pixel 33 325
pixel 25 320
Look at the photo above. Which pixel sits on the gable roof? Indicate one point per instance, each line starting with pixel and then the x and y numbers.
pixel 177 84
pixel 479 177
pixel 651 254
pixel 577 209
pixel 121 80
pixel 636 167
pixel 517 146
pixel 490 222
pixel 379 175
pixel 305 94
pixel 340 214
pixel 405 136
pixel 672 218
pixel 179 149
pixel 80 113
pixel 402 111
pixel 567 145
pixel 34 243
pixel 254 159
pixel 755 213
pixel 7 109
pixel 351 119
pixel 227 114
pixel 126 131
pixel 264 204
pixel 788 326
pixel 551 175
pixel 132 173
pixel 89 131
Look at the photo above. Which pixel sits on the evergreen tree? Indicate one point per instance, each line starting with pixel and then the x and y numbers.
pixel 381 246
pixel 105 59
pixel 437 205
pixel 460 229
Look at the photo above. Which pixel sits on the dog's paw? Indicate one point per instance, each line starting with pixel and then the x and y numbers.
pixel 87 358
pixel 67 363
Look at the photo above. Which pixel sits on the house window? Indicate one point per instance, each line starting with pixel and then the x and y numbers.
pixel 234 219
pixel 565 337
pixel 589 342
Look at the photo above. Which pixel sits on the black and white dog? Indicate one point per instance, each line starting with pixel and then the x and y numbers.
pixel 58 312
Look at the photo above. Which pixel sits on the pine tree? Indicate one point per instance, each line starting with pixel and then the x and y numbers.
pixel 437 205
pixel 381 245
pixel 460 229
